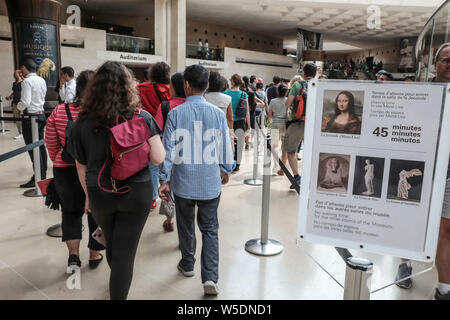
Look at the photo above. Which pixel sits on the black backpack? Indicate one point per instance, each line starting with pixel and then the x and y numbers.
pixel 241 108
pixel 67 154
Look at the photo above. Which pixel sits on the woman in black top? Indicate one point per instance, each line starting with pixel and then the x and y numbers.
pixel 121 216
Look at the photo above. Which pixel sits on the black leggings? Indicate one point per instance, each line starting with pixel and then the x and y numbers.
pixel 122 218
pixel 72 200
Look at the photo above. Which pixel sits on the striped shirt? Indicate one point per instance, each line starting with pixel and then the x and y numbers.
pixel 55 136
pixel 197 143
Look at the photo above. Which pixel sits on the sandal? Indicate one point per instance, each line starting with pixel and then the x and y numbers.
pixel 93 264
pixel 168 226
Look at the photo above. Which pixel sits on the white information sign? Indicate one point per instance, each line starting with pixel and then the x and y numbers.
pixel 374 166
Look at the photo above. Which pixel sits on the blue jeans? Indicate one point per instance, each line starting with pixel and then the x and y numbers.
pixel 154 172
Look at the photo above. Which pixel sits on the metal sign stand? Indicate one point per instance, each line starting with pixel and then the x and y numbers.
pixel 264 246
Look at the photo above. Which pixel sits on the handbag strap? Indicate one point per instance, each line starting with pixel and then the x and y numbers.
pixel 157 92
pixel 69 115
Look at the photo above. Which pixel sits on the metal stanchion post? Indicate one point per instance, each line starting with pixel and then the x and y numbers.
pixel 264 246
pixel 255 181
pixel 1 115
pixel 358 278
pixel 36 192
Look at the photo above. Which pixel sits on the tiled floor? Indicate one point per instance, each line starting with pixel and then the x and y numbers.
pixel 33 265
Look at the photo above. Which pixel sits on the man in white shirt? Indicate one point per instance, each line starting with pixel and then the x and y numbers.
pixel 32 100
pixel 67 85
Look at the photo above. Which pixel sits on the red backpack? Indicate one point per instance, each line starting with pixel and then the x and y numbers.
pixel 129 151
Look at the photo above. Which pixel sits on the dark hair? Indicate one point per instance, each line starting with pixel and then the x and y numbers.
pixel 83 80
pixel 351 103
pixel 160 73
pixel 282 90
pixel 251 100
pixel 276 79
pixel 69 71
pixel 112 92
pixel 29 64
pixel 146 73
pixel 177 80
pixel 236 80
pixel 259 85
pixel 246 80
pixel 310 69
pixel 216 82
pixel 197 76
pixel 252 79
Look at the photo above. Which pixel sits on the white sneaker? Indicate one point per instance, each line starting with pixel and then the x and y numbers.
pixel 20 136
pixel 210 288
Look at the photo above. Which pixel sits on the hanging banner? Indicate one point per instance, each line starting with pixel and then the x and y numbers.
pixel 374 166
pixel 38 41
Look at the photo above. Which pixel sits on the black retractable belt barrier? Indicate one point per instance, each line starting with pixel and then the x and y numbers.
pixel 16 152
pixel 11 119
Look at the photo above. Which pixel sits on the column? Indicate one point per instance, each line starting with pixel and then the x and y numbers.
pixel 178 35
pixel 170 32
pixel 161 28
pixel 35 35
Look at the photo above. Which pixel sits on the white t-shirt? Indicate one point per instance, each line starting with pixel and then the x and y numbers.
pixel 220 100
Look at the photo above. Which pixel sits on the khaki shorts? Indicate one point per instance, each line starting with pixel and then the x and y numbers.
pixel 294 136
pixel 446 206
pixel 281 127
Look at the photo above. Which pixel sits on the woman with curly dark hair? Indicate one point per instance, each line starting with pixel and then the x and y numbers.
pixel 112 94
pixel 345 119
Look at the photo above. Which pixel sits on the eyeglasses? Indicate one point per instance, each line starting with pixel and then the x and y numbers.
pixel 444 61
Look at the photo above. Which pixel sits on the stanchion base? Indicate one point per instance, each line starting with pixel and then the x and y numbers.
pixel 55 231
pixel 4 131
pixel 271 248
pixel 32 193
pixel 253 182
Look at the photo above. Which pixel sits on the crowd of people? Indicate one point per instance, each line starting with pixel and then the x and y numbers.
pixel 176 116
pixel 350 68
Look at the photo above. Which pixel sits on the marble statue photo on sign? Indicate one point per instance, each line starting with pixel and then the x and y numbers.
pixel 405 180
pixel 368 178
pixel 342 111
pixel 333 172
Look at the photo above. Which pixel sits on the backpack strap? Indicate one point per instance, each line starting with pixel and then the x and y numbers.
pixel 165 108
pixel 69 115
pixel 157 92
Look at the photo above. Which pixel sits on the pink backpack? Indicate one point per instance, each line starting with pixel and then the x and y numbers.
pixel 129 150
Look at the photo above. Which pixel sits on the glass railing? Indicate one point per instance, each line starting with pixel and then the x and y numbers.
pixel 435 33
pixel 204 53
pixel 117 42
